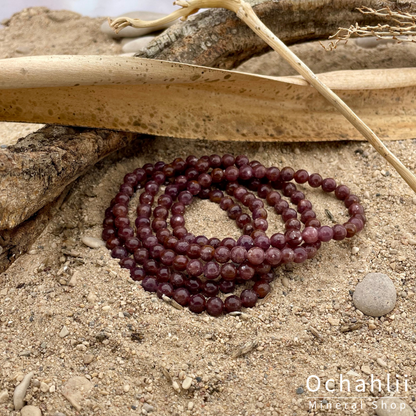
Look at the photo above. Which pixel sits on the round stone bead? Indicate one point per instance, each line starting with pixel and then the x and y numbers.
pixel 342 192
pixel 214 306
pixel 255 256
pixel 325 233
pixel 339 232
pixel 182 296
pixel 211 270
pixel 315 180
pixel 301 255
pixel 197 303
pixel 232 304
pixel 329 185
pixel 150 284
pixel 262 288
pixel 248 298
pixel 310 235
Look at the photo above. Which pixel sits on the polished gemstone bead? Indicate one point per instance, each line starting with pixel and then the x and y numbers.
pixel 197 303
pixel 120 210
pixel 210 288
pixel 137 274
pixel 293 238
pixel 278 240
pixel 185 197
pixel 273 256
pixel 150 284
pixel 245 172
pixel 214 306
pixel 222 254
pixel 255 256
pixel 231 173
pixel 165 288
pixel 339 232
pixel 281 206
pixel 304 205
pixel 289 214
pixel 325 233
pixel 351 199
pixel 177 280
pixel 310 235
pixel 245 271
pixel 292 224
pixel 228 271
pixel 359 224
pixel 194 285
pixel 207 252
pixel 161 212
pixel 288 189
pixel 355 208
pixel 329 185
pixel 248 298
pixel 227 160
pixel 301 176
pixel 226 202
pixel 262 288
pixel 232 304
pixel 182 296
pixel 194 267
pixel 315 180
pixel 241 160
pixel 301 255
pixel 342 192
pixel 107 233
pixel 179 263
pixel 273 198
pixel 119 252
pixel 211 270
pixel 287 255
pixel 113 242
pixel 127 263
pixel 262 241
pixel 226 286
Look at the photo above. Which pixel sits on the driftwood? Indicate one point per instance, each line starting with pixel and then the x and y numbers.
pixel 219 39
pixel 17 241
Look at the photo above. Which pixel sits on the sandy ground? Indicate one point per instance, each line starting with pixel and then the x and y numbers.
pixel 120 337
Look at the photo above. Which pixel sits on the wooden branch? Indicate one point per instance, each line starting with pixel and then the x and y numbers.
pixel 17 241
pixel 35 171
pixel 246 13
pixel 217 38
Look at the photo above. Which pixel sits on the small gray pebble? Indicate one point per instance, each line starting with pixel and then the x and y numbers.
pixel 375 295
pixel 148 407
pixel 391 406
pixel 299 390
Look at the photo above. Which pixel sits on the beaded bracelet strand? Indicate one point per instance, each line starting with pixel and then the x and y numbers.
pixel 194 269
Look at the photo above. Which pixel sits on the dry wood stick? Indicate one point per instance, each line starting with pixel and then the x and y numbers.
pixel 245 12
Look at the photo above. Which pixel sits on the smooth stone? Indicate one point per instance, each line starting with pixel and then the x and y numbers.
pixel 4 396
pixel 76 389
pixel 137 44
pixel 31 411
pixel 88 359
pixel 92 242
pixel 375 295
pixel 187 383
pixel 148 407
pixel 130 32
pixel 44 387
pixel 20 391
pixel 385 407
pixel 64 332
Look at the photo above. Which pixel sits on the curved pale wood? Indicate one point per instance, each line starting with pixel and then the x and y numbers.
pixel 180 100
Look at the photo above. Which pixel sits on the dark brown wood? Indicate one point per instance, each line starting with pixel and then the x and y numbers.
pixel 17 241
pixel 36 170
pixel 217 38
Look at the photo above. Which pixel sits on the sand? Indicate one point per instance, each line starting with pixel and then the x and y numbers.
pixel 135 349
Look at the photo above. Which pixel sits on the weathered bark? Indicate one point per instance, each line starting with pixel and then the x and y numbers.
pixel 36 170
pixel 17 241
pixel 217 38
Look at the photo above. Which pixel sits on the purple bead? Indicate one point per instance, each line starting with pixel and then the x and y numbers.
pixel 339 232
pixel 238 254
pixel 197 303
pixel 222 254
pixel 329 185
pixel 278 240
pixel 194 267
pixel 210 288
pixel 248 298
pixel 245 241
pixel 287 255
pixel 300 255
pixel 325 233
pixel 166 289
pixel 119 253
pixel 227 286
pixel 255 256
pixel 215 306
pixel 150 284
pixel 273 256
pixel 182 296
pixel 185 197
pixel 232 304
pixel 310 235
pixel 211 270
